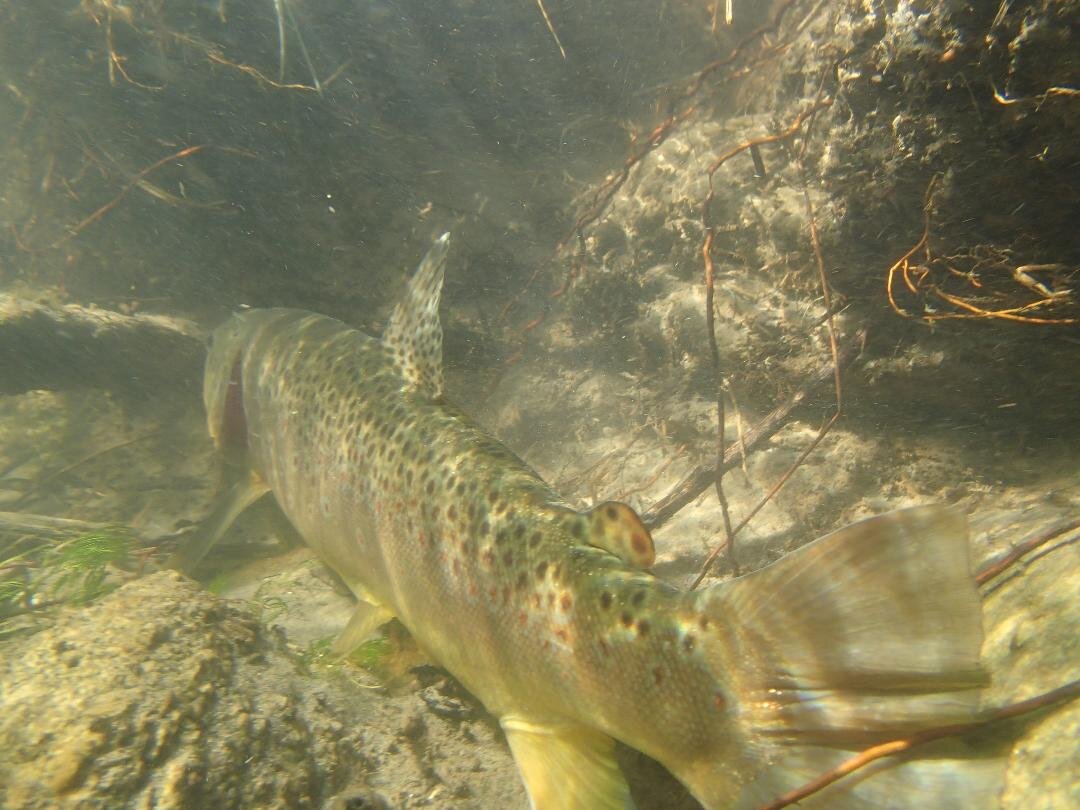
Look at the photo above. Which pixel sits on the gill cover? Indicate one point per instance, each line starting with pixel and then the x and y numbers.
pixel 223 389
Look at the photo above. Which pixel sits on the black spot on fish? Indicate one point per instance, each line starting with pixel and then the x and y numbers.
pixel 689 643
pixel 638 598
pixel 606 600
pixel 541 570
pixel 643 628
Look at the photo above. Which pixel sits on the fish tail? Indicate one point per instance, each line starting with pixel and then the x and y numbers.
pixel 866 635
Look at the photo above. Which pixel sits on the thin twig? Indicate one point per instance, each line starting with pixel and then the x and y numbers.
pixel 96 454
pixel 863 758
pixel 303 48
pixel 134 182
pixel 918 279
pixel 680 108
pixel 701 478
pixel 993 569
pixel 728 543
pixel 718 384
pixel 551 27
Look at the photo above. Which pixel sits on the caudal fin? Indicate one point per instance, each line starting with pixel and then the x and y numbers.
pixel 865 635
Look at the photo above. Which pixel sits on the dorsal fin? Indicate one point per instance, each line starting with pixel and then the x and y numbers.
pixel 615 527
pixel 414 333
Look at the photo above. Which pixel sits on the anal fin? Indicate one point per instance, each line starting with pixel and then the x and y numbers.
pixel 366 619
pixel 567 766
pixel 244 492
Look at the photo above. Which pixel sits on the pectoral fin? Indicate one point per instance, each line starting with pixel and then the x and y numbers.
pixel 367 618
pixel 566 766
pixel 248 489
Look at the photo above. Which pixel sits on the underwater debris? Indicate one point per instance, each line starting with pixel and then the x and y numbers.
pixel 987 271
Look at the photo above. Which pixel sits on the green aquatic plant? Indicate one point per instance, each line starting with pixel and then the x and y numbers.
pixel 37 577
pixel 318 653
pixel 13 592
pixel 371 655
pixel 83 565
pixel 219 584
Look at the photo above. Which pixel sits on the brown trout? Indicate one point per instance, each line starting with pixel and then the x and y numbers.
pixel 549 615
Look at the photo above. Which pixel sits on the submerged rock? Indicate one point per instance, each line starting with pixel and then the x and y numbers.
pixel 163 695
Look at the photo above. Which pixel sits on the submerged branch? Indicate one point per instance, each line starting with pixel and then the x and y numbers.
pixel 61 348
pixel 701 478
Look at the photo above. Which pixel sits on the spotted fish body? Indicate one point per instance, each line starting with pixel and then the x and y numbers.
pixel 549 616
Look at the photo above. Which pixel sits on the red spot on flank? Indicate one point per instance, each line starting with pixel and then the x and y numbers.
pixel 562 635
pixel 638 542
pixel 489 558
pixel 719 702
pixel 522 618
pixel 566 602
